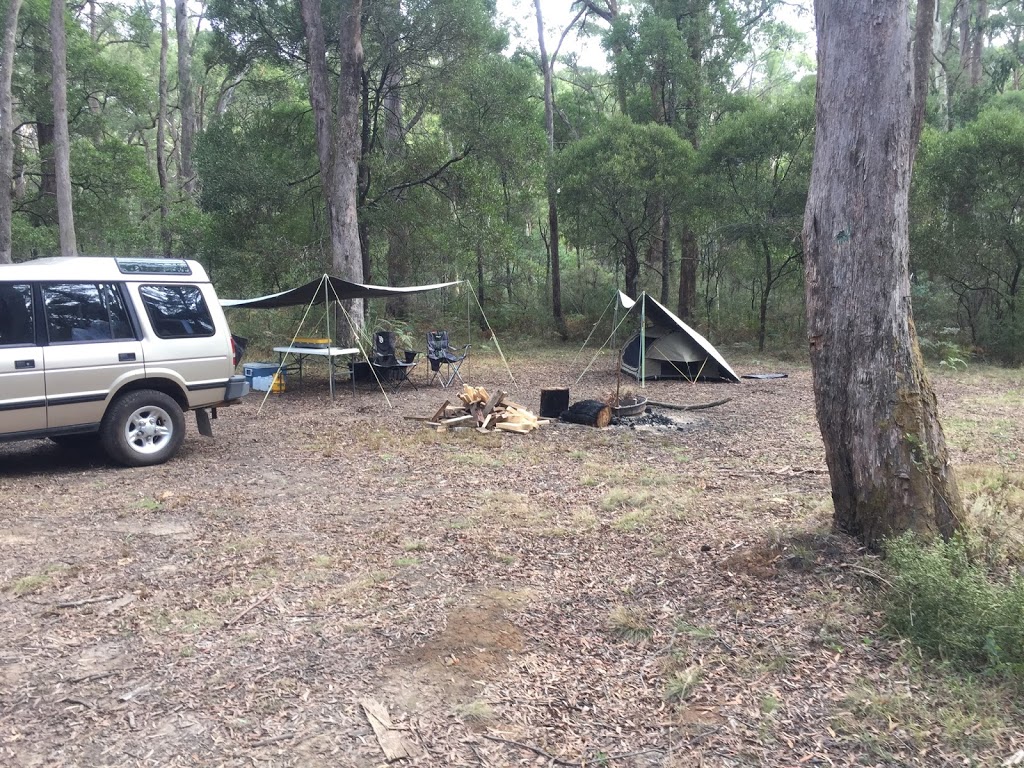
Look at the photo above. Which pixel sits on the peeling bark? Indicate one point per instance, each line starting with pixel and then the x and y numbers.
pixel 884 445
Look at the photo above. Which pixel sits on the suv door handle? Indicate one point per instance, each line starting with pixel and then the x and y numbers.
pixel 125 357
pixel 21 365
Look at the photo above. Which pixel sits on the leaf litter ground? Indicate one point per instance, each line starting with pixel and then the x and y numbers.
pixel 661 594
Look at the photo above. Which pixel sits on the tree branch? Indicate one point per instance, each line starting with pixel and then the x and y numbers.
pixel 423 180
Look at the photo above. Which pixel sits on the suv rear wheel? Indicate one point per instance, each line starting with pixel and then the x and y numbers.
pixel 142 428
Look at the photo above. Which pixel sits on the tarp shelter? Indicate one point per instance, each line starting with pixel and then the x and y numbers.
pixel 328 288
pixel 667 348
pixel 324 290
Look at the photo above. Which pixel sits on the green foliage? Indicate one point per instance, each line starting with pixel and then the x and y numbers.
pixel 607 181
pixel 968 199
pixel 755 170
pixel 953 607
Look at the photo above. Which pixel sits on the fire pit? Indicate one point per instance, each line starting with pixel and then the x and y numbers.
pixel 633 405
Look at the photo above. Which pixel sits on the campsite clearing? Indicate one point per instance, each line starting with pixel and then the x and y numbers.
pixel 323 585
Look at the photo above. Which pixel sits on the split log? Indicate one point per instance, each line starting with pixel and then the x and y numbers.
pixel 553 401
pixel 698 407
pixel 593 413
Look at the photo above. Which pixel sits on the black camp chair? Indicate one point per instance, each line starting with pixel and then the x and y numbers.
pixel 441 355
pixel 387 365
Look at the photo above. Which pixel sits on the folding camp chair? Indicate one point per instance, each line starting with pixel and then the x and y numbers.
pixel 441 355
pixel 387 365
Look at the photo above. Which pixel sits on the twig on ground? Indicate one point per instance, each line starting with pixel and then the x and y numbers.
pixel 86 601
pixel 238 617
pixel 868 572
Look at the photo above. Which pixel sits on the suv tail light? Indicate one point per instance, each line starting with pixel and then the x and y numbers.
pixel 238 344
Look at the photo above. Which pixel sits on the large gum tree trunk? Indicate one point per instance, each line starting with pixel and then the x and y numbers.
pixel 185 103
pixel 61 133
pixel 348 258
pixel 10 32
pixel 884 446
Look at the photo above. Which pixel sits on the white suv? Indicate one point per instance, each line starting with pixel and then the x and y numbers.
pixel 114 349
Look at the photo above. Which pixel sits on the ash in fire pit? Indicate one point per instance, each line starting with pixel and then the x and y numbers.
pixel 651 420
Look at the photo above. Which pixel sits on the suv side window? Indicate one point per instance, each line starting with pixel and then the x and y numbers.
pixel 17 324
pixel 85 312
pixel 177 311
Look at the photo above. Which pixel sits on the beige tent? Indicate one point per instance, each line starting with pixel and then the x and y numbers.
pixel 667 348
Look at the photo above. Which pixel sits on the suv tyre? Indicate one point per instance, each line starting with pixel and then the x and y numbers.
pixel 143 428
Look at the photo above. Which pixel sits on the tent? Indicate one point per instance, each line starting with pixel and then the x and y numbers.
pixel 667 348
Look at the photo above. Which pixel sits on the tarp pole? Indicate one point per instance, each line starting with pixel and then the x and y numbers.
pixel 494 336
pixel 330 338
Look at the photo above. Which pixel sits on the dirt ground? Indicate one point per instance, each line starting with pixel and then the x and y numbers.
pixel 664 595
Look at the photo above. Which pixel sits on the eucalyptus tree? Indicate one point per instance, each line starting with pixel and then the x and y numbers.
pixel 755 168
pixel 412 58
pixel 161 134
pixel 10 31
pixel 547 66
pixel 968 205
pixel 186 107
pixel 674 61
pixel 107 110
pixel 884 445
pixel 495 191
pixel 609 180
pixel 61 136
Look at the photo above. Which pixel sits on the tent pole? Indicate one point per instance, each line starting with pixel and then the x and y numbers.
pixel 643 340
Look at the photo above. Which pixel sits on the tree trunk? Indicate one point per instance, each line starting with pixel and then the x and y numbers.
pixel 399 254
pixel 631 269
pixel 7 128
pixel 766 291
pixel 61 135
pixel 977 42
pixel 884 445
pixel 185 105
pixel 481 297
pixel 665 251
pixel 347 254
pixel 320 99
pixel 552 191
pixel 689 258
pixel 161 136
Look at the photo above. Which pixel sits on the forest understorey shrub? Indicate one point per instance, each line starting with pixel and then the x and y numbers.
pixel 952 605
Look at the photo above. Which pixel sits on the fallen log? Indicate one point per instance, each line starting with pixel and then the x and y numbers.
pixel 698 407
pixel 592 413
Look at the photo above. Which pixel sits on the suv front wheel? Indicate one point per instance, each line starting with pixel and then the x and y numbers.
pixel 142 428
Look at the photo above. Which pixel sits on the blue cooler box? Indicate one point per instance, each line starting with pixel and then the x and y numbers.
pixel 261 375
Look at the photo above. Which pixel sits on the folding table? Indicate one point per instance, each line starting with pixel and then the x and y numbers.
pixel 331 354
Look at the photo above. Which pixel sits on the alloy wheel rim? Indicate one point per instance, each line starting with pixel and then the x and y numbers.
pixel 148 429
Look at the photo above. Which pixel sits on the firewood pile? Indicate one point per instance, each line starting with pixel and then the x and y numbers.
pixel 485 411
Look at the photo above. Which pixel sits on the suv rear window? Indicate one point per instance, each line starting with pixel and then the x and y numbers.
pixel 85 312
pixel 177 311
pixel 16 324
